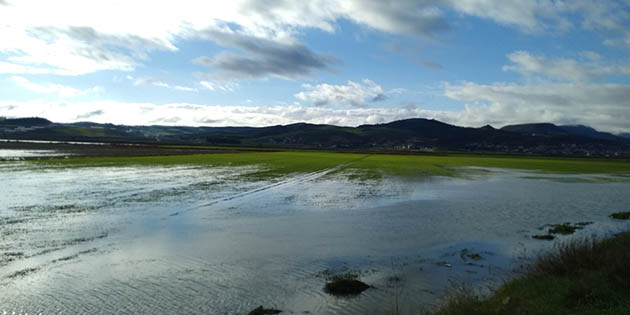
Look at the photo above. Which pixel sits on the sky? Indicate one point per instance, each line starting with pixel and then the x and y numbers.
pixel 341 62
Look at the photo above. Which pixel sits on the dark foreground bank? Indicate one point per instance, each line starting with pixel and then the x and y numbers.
pixel 588 276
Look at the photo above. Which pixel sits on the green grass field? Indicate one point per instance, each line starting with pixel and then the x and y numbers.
pixel 286 162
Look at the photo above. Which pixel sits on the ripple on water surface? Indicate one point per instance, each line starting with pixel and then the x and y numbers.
pixel 188 239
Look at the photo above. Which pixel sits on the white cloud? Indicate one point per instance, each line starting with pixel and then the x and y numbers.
pixel 50 88
pixel 14 68
pixel 353 94
pixel 570 97
pixel 530 16
pixel 204 115
pixel 219 86
pixel 562 69
pixel 618 42
pixel 264 58
pixel 590 55
pixel 602 106
pixel 185 88
pixel 550 15
pixel 75 37
pixel 159 83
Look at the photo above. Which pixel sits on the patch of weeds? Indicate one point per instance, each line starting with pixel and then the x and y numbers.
pixel 464 253
pixel 460 300
pixel 14 254
pixel 8 257
pixel 45 251
pixel 583 224
pixel 66 258
pixel 345 285
pixel 79 240
pixel 63 207
pixel 546 237
pixel 567 228
pixel 621 215
pixel 8 221
pixel 564 229
pixel 23 272
pixel 591 290
pixel 394 279
pixel 88 251
pixel 71 208
pixel 583 277
pixel 264 311
pixel 344 276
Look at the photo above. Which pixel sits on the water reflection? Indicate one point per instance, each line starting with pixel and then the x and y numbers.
pixel 16 155
pixel 189 239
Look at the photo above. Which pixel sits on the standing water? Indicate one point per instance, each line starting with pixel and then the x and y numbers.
pixel 206 240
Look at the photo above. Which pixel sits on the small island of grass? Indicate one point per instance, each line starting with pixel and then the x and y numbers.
pixel 621 215
pixel 344 285
pixel 264 311
pixel 546 237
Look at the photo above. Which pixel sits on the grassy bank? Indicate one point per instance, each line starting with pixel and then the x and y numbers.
pixel 280 163
pixel 579 277
pixel 409 164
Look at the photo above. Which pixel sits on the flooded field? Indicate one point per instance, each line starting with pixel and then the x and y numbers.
pixel 188 239
pixel 12 155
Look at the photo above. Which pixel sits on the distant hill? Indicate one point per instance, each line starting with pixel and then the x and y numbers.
pixel 581 130
pixel 24 122
pixel 538 129
pixel 548 129
pixel 409 134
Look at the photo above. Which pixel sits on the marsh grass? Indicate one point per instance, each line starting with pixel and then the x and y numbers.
pixel 564 229
pixel 343 277
pixel 621 215
pixel 260 310
pixel 584 276
pixel 546 237
pixel 361 166
pixel 345 285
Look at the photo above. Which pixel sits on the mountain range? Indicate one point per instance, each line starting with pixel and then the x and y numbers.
pixel 409 134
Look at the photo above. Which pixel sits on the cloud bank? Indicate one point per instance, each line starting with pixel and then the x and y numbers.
pixel 557 90
pixel 77 37
pixel 352 94
pixel 561 90
pixel 562 69
pixel 498 104
pixel 264 58
pixel 61 91
pixel 262 39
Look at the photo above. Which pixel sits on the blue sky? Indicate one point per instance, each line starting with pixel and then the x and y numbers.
pixel 257 63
